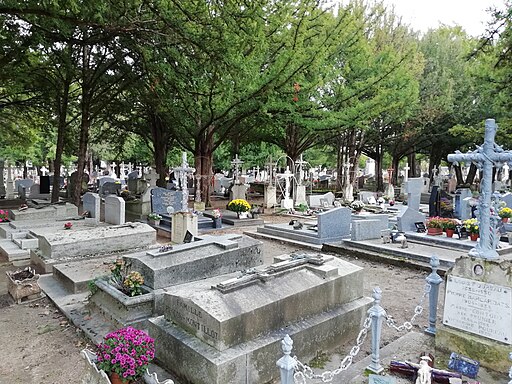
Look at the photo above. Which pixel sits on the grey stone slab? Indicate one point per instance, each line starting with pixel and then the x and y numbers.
pixel 213 317
pixel 114 210
pixel 110 188
pixel 383 218
pixel 49 213
pixel 406 219
pixel 198 260
pixel 507 199
pixel 334 223
pixel 91 203
pixel 365 230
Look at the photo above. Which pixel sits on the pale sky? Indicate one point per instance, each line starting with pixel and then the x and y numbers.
pixel 425 14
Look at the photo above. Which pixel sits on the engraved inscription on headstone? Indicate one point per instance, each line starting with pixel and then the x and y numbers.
pixel 162 198
pixel 477 307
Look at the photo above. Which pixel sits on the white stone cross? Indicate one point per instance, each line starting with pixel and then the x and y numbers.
pixel 236 164
pixel 406 172
pixel 485 157
pixel 44 170
pixel 183 172
pixel 300 165
pixel 288 176
pixel 152 177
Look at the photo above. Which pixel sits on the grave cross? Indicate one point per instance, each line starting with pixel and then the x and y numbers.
pixel 485 157
pixel 406 172
pixel 300 165
pixel 183 172
pixel 236 164
pixel 287 176
pixel 152 177
pixel 270 166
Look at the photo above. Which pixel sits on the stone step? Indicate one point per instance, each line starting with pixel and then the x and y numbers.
pixel 75 276
pixel 13 251
pixel 286 231
pixel 27 242
pixel 260 235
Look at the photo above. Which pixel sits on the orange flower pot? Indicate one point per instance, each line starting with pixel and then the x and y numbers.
pixel 473 236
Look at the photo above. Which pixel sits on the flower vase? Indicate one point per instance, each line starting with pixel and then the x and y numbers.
pixel 449 232
pixel 473 236
pixel 217 222
pixel 154 223
pixel 434 231
pixel 116 379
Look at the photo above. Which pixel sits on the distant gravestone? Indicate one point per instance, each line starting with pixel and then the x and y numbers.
pixel 91 204
pixel 162 198
pixel 114 210
pixel 110 188
pixel 507 199
pixel 334 223
pixel 23 187
pixel 406 220
pixel 365 230
pixel 44 182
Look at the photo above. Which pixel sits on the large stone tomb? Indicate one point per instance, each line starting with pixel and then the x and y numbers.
pixel 227 329
pixel 477 320
pixel 64 246
pixel 208 257
pixel 52 212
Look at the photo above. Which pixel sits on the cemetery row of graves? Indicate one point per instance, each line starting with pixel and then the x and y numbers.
pixel 151 275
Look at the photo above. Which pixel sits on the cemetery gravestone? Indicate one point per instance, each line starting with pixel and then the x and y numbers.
pixel 114 210
pixel 162 198
pixel 477 315
pixel 91 204
pixel 110 188
pixel 406 220
pixel 44 182
pixel 462 209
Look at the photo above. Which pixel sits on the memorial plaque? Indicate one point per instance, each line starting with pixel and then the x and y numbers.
pixel 162 198
pixel 481 308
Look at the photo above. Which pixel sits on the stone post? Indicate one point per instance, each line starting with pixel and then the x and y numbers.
pixel 510 370
pixel 434 280
pixel 377 314
pixel 287 364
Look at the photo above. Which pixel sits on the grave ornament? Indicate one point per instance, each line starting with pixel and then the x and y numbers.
pixel 485 157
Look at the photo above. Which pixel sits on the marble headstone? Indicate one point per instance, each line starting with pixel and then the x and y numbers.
pixel 114 210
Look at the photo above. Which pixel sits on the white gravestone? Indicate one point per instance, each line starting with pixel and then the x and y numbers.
pixel 114 210
pixel 91 204
pixel 270 198
pixel 181 223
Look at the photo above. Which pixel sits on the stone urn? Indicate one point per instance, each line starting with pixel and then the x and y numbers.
pixel 23 283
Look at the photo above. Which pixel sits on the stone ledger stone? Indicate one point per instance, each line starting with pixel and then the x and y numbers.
pixel 235 336
pixel 477 319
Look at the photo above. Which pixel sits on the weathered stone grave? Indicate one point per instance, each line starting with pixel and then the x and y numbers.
pixel 228 329
pixel 206 257
pixel 314 200
pixel 71 245
pixel 331 226
pixel 49 213
pixel 110 188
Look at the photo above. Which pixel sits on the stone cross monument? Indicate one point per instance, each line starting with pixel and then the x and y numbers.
pixel 485 157
pixel 183 172
pixel 300 169
pixel 236 164
pixel 270 167
pixel 406 172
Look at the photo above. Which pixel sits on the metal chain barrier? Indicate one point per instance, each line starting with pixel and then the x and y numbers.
pixel 417 311
pixel 304 372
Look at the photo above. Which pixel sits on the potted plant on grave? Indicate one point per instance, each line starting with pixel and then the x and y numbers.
pixel 472 227
pixel 125 355
pixel 239 206
pixel 217 218
pixel 128 282
pixel 449 226
pixel 154 219
pixel 434 226
pixel 4 216
pixel 446 206
pixel 505 213
pixel 357 205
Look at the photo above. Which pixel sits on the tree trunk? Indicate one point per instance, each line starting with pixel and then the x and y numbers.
pixel 203 162
pixel 61 130
pixel 160 140
pixel 412 165
pixel 471 174
pixel 379 158
pixel 458 175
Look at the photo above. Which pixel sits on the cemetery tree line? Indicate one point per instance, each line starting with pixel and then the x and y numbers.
pixel 199 75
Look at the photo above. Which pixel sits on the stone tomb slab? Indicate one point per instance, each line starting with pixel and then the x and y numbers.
pixel 72 245
pixel 209 256
pixel 235 336
pixel 52 212
pixel 365 230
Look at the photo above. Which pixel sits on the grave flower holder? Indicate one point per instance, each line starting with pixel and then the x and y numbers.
pixel 23 284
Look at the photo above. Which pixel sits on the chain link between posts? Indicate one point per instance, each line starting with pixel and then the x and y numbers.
pixel 305 372
pixel 417 311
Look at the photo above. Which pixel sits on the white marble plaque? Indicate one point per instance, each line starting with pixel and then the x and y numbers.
pixel 481 308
